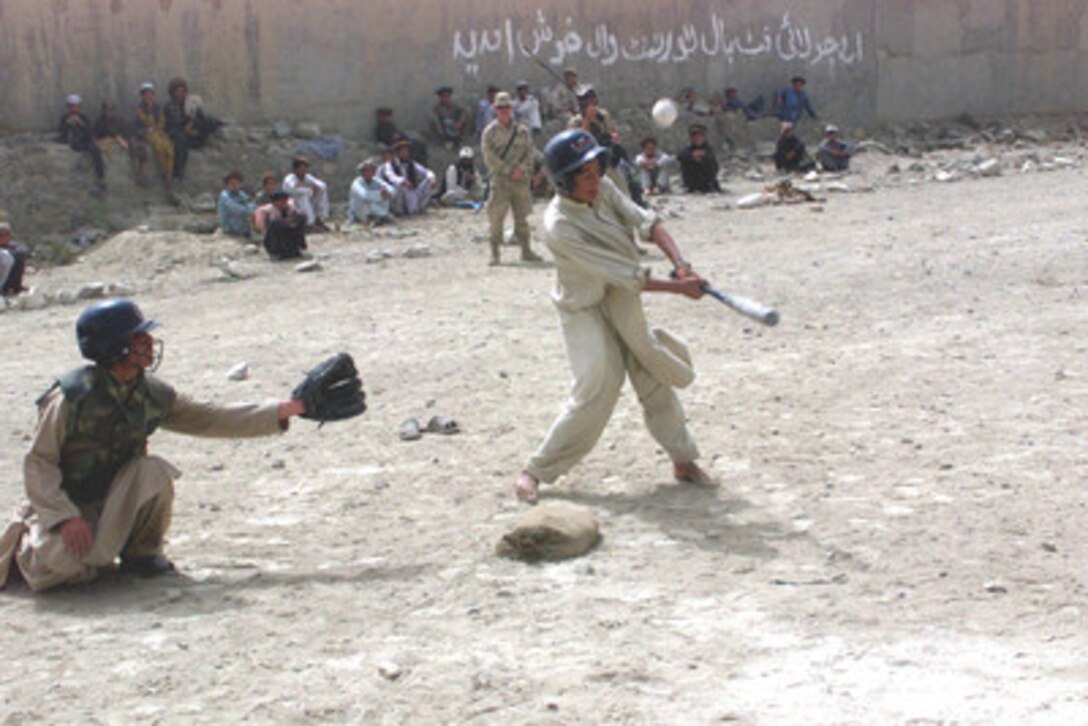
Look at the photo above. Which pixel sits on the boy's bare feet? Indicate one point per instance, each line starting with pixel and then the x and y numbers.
pixel 692 473
pixel 527 488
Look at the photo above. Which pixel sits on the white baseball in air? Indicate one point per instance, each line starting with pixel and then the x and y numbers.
pixel 665 112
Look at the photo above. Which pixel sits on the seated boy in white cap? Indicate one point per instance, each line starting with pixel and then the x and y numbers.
pixel 463 187
pixel 76 131
pixel 833 153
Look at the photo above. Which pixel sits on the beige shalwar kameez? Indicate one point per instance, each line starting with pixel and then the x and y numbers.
pixel 599 281
pixel 135 514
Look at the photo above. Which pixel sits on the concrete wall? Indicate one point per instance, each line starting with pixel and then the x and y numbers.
pixel 334 61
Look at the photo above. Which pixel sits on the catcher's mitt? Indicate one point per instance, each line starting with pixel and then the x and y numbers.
pixel 332 390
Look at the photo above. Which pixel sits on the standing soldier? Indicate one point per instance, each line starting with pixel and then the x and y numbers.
pixel 509 154
pixel 95 493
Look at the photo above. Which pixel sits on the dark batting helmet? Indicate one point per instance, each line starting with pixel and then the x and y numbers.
pixel 103 329
pixel 568 152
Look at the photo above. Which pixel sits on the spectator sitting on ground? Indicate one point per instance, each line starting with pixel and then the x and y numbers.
pixel 282 227
pixel 449 121
pixel 310 194
pixel 462 185
pixel 485 114
pixel 833 153
pixel 527 108
pixel 110 131
pixel 150 137
pixel 563 99
pixel 789 154
pixel 75 130
pixel 653 168
pixel 13 259
pixel 235 209
pixel 412 181
pixel 269 184
pixel 370 197
pixel 792 102
pixel 698 165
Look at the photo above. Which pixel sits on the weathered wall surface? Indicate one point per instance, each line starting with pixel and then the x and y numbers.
pixel 334 61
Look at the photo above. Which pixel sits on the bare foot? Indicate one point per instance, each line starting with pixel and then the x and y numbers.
pixel 527 488
pixel 692 473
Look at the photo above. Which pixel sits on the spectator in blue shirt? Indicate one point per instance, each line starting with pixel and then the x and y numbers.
pixel 235 207
pixel 791 103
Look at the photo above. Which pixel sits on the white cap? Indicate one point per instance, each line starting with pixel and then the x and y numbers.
pixel 73 100
pixel 467 153
pixel 831 129
pixel 147 86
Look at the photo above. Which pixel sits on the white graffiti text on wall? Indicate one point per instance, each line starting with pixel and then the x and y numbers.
pixel 786 40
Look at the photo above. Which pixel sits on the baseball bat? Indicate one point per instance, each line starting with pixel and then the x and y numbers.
pixel 745 306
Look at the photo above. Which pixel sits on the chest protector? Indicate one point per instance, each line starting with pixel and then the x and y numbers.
pixel 108 426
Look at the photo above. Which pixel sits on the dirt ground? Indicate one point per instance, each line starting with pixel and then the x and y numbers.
pixel 899 537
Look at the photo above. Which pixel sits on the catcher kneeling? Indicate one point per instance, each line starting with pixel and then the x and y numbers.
pixel 95 494
pixel 589 227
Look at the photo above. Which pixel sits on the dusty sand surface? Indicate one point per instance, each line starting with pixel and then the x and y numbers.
pixel 900 535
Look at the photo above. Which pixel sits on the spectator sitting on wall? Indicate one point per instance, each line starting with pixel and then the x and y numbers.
pixel 412 182
pixel 833 153
pixel 150 137
pixel 234 209
pixel 109 131
pixel 792 102
pixel 449 120
pixel 463 186
pixel 309 194
pixel 485 114
pixel 13 259
pixel 387 133
pixel 527 108
pixel 698 165
pixel 789 154
pixel 75 131
pixel 282 227
pixel 597 121
pixel 563 98
pixel 186 124
pixel 652 167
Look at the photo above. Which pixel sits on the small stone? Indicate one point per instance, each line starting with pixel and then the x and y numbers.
pixel 281 130
pixel 143 229
pixel 251 250
pixel 990 167
pixel 120 289
pixel 33 300
pixel 308 266
pixel 1037 136
pixel 239 372
pixel 1050 547
pixel 172 594
pixel 946 176
pixel 389 670
pixel 416 251
pixel 278 464
pixel 995 587
pixel 307 130
pixel 751 201
pixel 376 256
pixel 67 297
pixel 91 291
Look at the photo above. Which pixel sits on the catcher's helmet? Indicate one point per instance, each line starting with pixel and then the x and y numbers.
pixel 567 152
pixel 103 329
